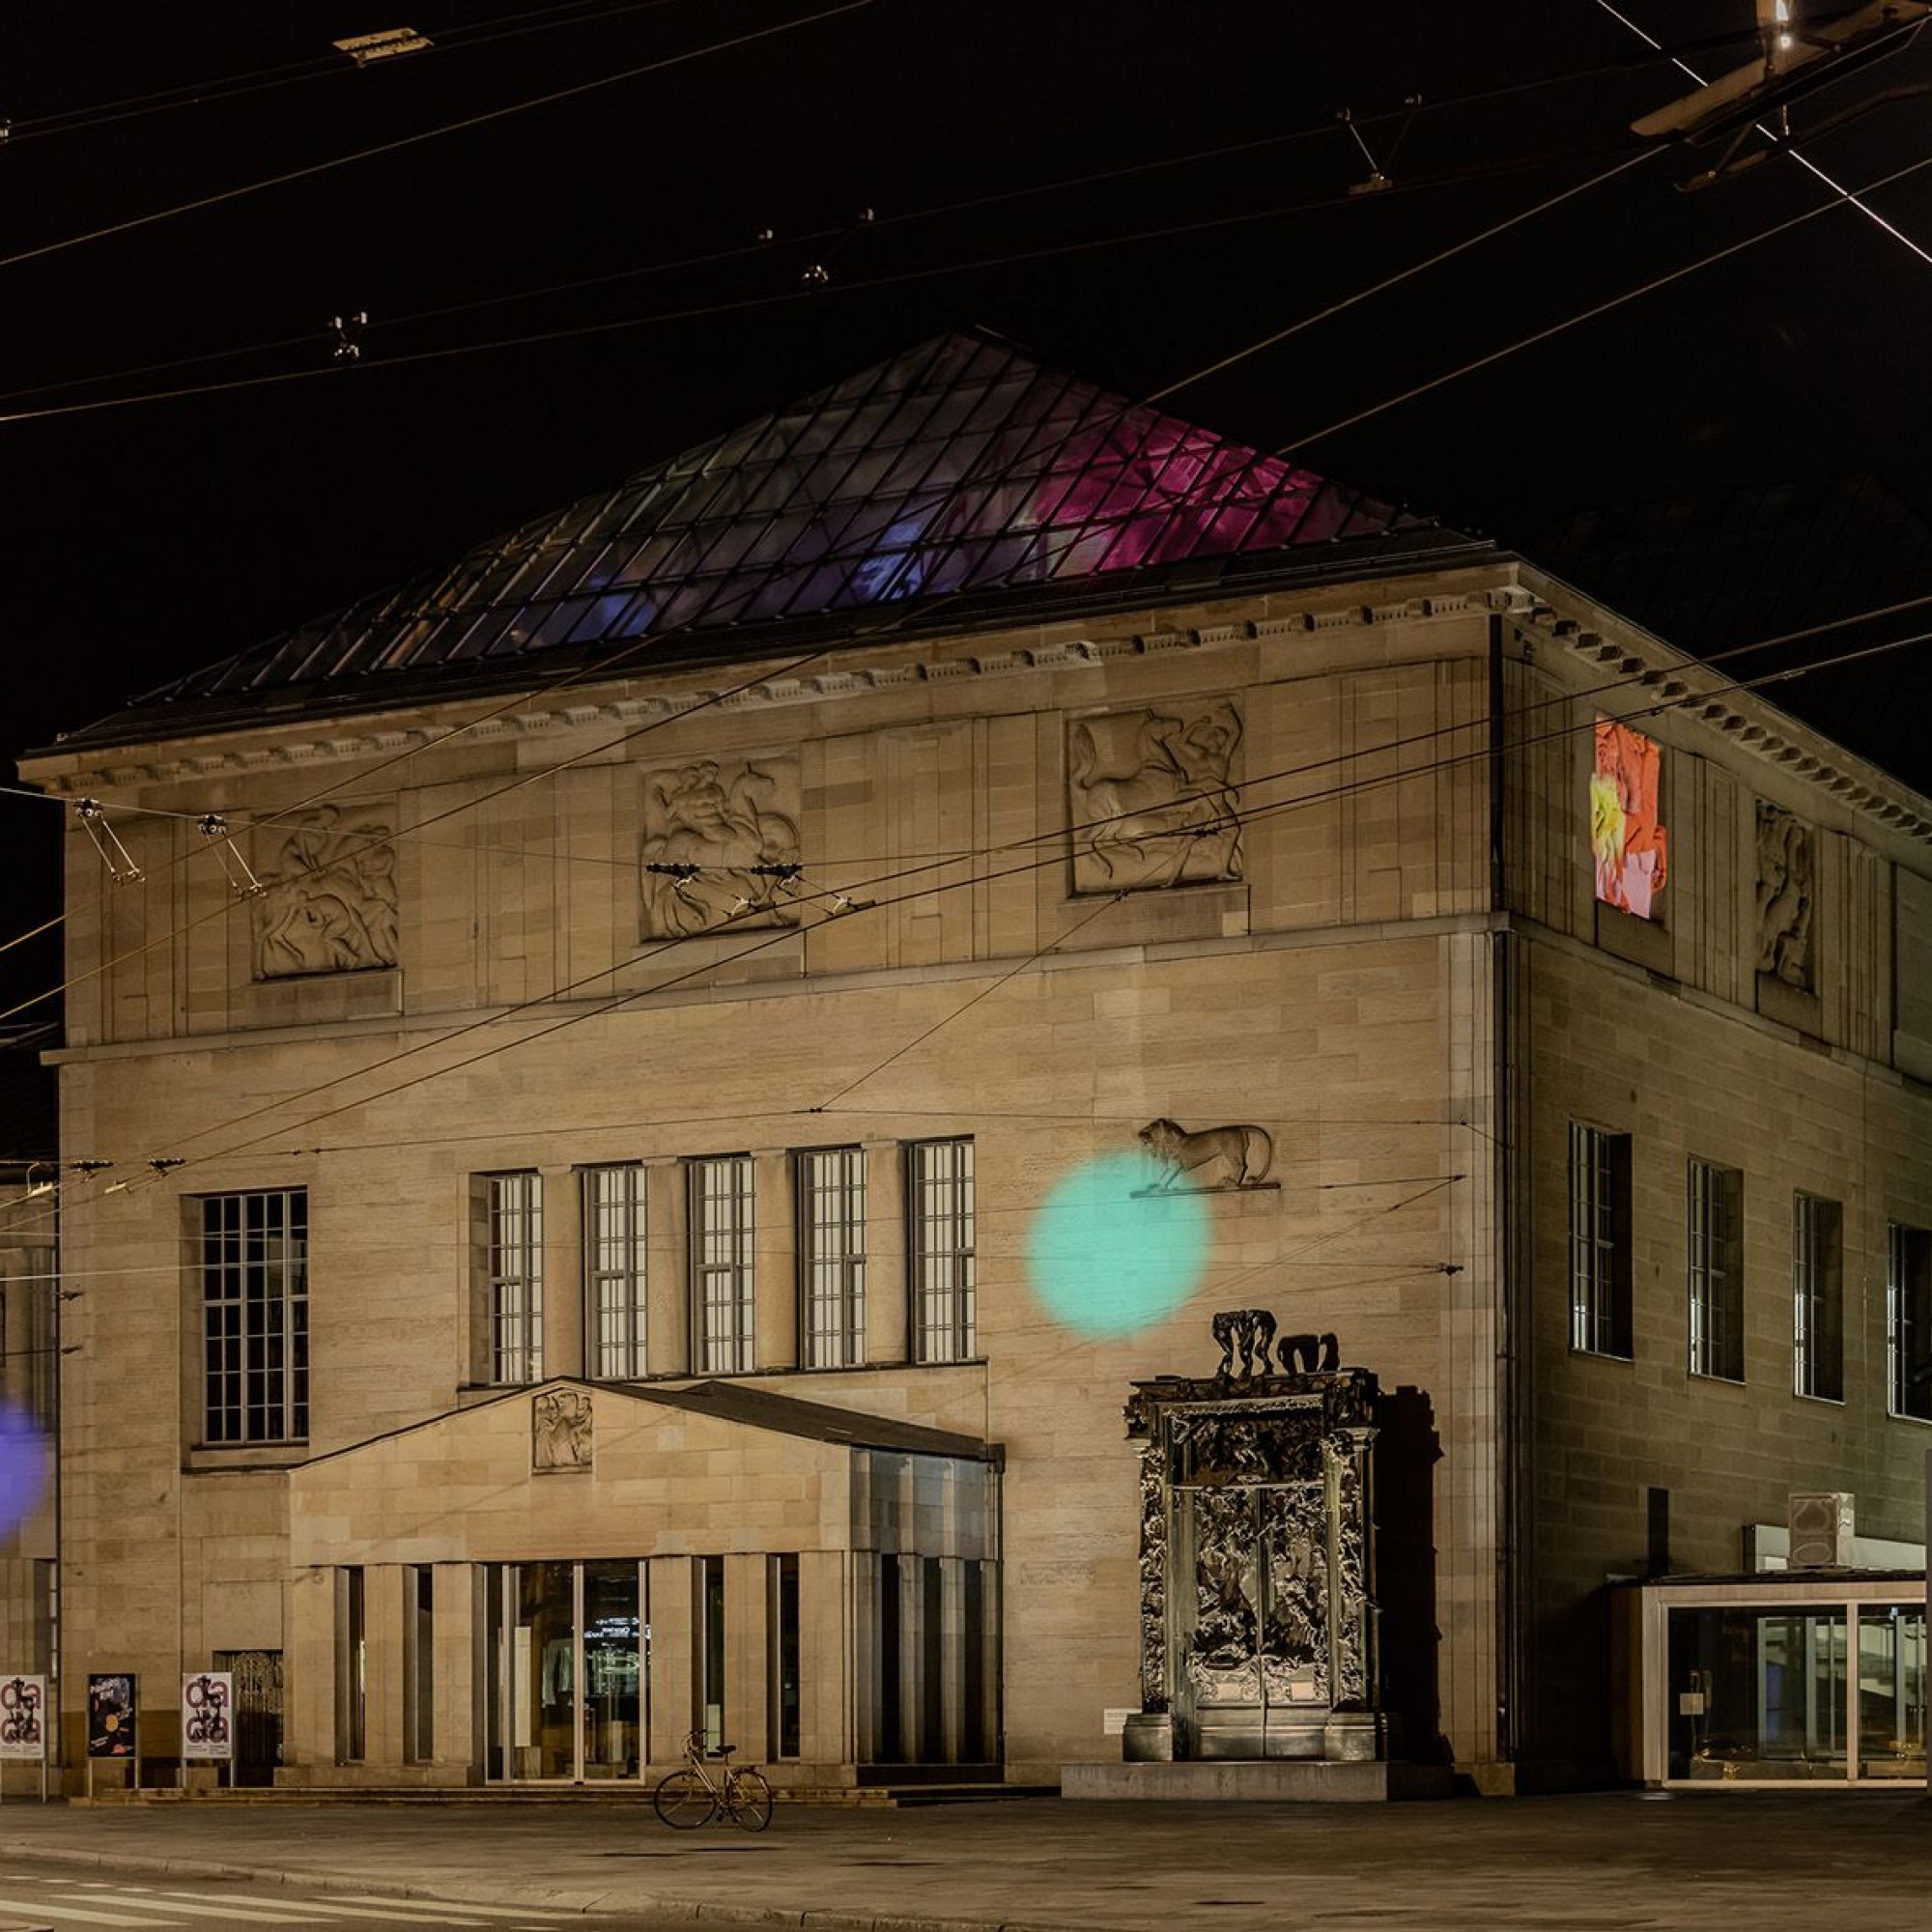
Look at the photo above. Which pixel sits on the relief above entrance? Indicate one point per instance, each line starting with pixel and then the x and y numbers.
pixel 1154 800
pixel 329 903
pixel 560 1430
pixel 721 847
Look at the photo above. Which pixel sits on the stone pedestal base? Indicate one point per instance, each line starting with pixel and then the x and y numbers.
pixel 1273 1780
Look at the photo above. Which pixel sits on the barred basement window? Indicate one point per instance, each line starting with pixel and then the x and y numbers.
pixel 832 1255
pixel 515 1205
pixel 615 1271
pixel 722 1232
pixel 1909 1322
pixel 1716 1246
pixel 1818 1298
pixel 254 1316
pixel 1600 1241
pixel 939 1272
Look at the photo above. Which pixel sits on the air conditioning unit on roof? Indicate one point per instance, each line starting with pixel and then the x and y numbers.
pixel 1821 1529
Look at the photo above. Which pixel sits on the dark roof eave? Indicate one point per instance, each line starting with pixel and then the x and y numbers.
pixel 1402 553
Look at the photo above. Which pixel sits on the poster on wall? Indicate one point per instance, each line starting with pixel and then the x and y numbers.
pixel 208 1709
pixel 23 1729
pixel 1627 838
pixel 110 1714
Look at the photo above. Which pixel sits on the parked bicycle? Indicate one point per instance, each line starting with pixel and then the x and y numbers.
pixel 707 1785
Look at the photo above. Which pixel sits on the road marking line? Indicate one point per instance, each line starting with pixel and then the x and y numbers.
pixel 436 1905
pixel 217 1907
pixel 39 1908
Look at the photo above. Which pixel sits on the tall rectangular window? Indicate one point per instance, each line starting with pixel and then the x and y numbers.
pixel 708 1679
pixel 516 1277
pixel 939 1215
pixel 614 1270
pixel 254 1317
pixel 419 1663
pixel 1818 1298
pixel 351 1666
pixel 1600 1241
pixel 832 1255
pixel 1908 1322
pixel 1715 1267
pixel 783 1621
pixel 723 1235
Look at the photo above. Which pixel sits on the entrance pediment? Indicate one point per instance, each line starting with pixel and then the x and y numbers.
pixel 567 1468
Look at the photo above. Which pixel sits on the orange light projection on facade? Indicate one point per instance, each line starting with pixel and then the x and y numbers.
pixel 1627 838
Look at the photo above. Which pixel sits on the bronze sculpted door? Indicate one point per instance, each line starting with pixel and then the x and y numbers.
pixel 1257 1627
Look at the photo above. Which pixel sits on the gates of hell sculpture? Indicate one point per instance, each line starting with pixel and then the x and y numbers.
pixel 1258 1621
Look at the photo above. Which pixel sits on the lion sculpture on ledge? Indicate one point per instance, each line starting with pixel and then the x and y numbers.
pixel 1244 1152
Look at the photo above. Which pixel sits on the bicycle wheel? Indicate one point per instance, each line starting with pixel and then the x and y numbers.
pixel 683 1799
pixel 748 1799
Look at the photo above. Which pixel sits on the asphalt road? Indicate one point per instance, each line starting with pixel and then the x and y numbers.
pixel 1607 1862
pixel 44 1894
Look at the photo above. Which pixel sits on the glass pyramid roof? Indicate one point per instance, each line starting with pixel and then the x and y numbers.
pixel 959 466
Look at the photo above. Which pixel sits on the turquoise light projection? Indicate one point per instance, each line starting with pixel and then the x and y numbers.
pixel 1108 1253
pixel 25 1464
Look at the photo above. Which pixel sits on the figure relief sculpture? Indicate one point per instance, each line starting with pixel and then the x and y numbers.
pixel 560 1430
pixel 330 906
pixel 1784 896
pixel 1235 1156
pixel 1154 799
pixel 717 851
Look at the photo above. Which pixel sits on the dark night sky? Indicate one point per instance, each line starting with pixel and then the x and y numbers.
pixel 146 539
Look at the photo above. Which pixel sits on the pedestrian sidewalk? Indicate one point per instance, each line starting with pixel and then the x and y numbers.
pixel 1774 1863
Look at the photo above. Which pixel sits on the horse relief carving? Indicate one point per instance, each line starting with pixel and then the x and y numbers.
pixel 330 906
pixel 1234 1156
pixel 1783 896
pixel 1154 800
pixel 560 1430
pixel 716 850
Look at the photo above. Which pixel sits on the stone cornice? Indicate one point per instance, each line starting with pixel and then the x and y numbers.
pixel 385 736
pixel 1646 669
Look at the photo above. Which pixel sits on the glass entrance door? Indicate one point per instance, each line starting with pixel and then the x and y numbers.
pixel 564 1700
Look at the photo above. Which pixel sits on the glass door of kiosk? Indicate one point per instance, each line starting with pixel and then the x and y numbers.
pixel 565 1649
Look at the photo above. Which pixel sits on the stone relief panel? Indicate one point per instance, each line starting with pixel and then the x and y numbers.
pixel 1784 896
pixel 329 905
pixel 1154 798
pixel 721 847
pixel 560 1430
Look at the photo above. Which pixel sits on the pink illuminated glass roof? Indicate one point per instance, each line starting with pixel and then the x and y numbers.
pixel 960 466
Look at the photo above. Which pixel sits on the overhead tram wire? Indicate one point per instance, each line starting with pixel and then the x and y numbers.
pixel 320 67
pixel 771 298
pixel 882 222
pixel 483 119
pixel 1602 308
pixel 1247 815
pixel 884 629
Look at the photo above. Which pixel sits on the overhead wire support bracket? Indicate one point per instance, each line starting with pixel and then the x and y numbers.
pixel 235 867
pixel 348 334
pixel 115 856
pixel 1379 176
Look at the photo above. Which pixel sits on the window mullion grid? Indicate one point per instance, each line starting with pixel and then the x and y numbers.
pixel 516 1278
